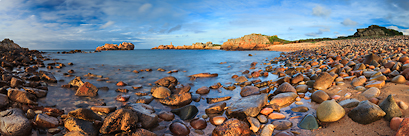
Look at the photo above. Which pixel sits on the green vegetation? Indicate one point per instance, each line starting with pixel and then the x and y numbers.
pixel 217 45
pixel 274 38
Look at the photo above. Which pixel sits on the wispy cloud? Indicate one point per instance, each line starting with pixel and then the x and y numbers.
pixel 109 23
pixel 349 22
pixel 321 11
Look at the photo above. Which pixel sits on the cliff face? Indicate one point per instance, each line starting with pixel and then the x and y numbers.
pixel 122 46
pixel 249 42
pixel 9 44
pixel 375 30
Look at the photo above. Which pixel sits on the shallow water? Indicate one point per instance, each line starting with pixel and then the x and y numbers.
pixel 118 66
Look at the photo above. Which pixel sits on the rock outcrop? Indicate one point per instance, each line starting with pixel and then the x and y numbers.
pixel 122 46
pixel 247 42
pixel 9 44
pixel 375 30
pixel 194 46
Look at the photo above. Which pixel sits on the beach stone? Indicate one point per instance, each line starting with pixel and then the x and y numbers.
pixel 358 81
pixel 297 78
pixel 143 132
pixel 232 127
pixel 241 79
pixel 166 115
pixel 103 109
pixel 282 99
pixel 54 130
pixel 75 133
pixel 168 82
pixel 282 124
pixel 160 92
pixel 339 79
pixel 349 103
pixel 186 112
pixel 179 129
pixel 249 90
pixel 231 87
pixel 266 111
pixel 177 99
pixel 37 92
pixel 84 114
pixel 309 122
pixel 390 107
pixel 76 82
pixel 330 111
pixel 254 124
pixel 403 105
pixel 21 96
pixel 180 89
pixel 378 77
pixel 15 82
pixel 360 66
pixel 276 116
pixel 284 133
pixel 196 97
pixel 366 112
pixel 146 114
pixel 217 120
pixel 374 83
pixel 319 96
pixel 216 108
pixel 249 106
pixel 395 123
pixel 403 128
pixel 285 87
pixel 121 83
pixel 30 114
pixel 216 100
pixel 301 88
pixel 267 130
pixel 144 99
pixel 399 79
pixel 45 121
pixel 4 100
pixel 360 88
pixel 48 76
pixel 86 127
pixel 120 120
pixel 198 123
pixel 371 57
pixel 87 89
pixel 203 90
pixel 300 109
pixel 262 118
pixel 323 81
pixel 14 123
pixel 371 92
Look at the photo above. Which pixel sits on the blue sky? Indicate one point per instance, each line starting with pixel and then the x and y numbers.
pixel 86 24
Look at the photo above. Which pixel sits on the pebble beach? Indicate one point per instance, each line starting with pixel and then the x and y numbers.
pixel 355 86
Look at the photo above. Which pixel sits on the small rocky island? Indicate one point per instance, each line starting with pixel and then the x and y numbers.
pixel 122 46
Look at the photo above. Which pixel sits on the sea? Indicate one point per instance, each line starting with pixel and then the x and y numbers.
pixel 119 66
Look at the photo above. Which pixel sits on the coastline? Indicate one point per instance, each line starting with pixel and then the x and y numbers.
pixel 306 59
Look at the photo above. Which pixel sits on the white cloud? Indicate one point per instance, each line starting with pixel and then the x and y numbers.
pixel 109 23
pixel 404 31
pixel 321 11
pixel 349 22
pixel 145 7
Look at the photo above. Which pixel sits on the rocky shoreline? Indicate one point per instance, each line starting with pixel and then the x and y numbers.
pixel 341 87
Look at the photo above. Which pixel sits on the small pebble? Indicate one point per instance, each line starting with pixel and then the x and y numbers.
pixel 347 95
pixel 403 105
pixel 262 118
pixel 307 97
pixel 299 103
pixel 336 97
pixel 298 99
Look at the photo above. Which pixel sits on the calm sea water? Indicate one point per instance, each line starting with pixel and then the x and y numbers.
pixel 118 66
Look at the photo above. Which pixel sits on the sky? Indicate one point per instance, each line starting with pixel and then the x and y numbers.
pixel 86 24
